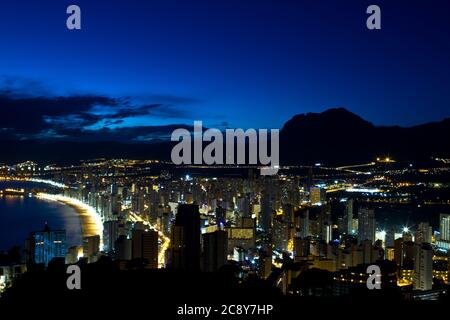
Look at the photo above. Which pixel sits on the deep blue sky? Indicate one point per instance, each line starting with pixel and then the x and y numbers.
pixel 248 63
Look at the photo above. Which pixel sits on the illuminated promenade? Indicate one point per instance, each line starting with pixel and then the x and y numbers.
pixel 91 222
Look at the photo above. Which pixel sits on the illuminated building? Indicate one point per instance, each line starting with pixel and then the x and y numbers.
pixel 239 254
pixel 423 267
pixel 9 271
pixel 317 195
pixel 444 228
pixel 110 235
pixel 345 281
pixel 243 237
pixel 265 216
pixel 27 168
pixel 348 217
pixel 390 253
pixel 366 225
pixel 441 275
pixel 424 233
pixel 407 275
pixel 280 233
pixel 137 202
pixel 327 232
pixel 46 245
pixel 303 223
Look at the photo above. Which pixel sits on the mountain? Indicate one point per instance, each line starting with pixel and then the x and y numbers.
pixel 337 136
pixel 333 137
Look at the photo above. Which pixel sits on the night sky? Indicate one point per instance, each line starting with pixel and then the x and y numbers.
pixel 136 67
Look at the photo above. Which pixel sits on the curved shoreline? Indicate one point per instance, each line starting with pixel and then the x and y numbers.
pixel 91 222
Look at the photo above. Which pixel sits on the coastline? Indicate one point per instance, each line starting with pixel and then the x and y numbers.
pixel 90 220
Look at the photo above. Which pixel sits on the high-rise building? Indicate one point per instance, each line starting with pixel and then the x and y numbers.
pixel 137 202
pixel 280 233
pixel 145 246
pixel 366 225
pixel 444 227
pixel 215 248
pixel 46 245
pixel 423 267
pixel 398 251
pixel 390 238
pixel 367 252
pixel 424 233
pixel 317 195
pixel 242 236
pixel 443 241
pixel 348 217
pixel 303 224
pixel 327 233
pixel 110 234
pixel 185 251
pixel 265 216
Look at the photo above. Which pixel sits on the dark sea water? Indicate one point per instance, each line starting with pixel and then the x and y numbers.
pixel 20 215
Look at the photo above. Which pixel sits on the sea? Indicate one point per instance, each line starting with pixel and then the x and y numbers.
pixel 22 214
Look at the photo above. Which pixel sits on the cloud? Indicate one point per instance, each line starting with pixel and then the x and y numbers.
pixel 31 113
pixel 124 134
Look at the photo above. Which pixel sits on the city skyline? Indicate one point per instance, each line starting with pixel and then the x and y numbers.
pixel 225 159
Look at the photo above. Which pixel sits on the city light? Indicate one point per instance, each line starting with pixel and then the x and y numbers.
pixel 91 221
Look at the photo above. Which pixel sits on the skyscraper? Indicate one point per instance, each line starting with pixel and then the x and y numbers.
pixel 444 226
pixel 46 245
pixel 423 234
pixel 110 234
pixel 215 247
pixel 366 224
pixel 348 217
pixel 303 223
pixel 265 216
pixel 423 267
pixel 185 242
pixel 145 246
pixel 444 229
